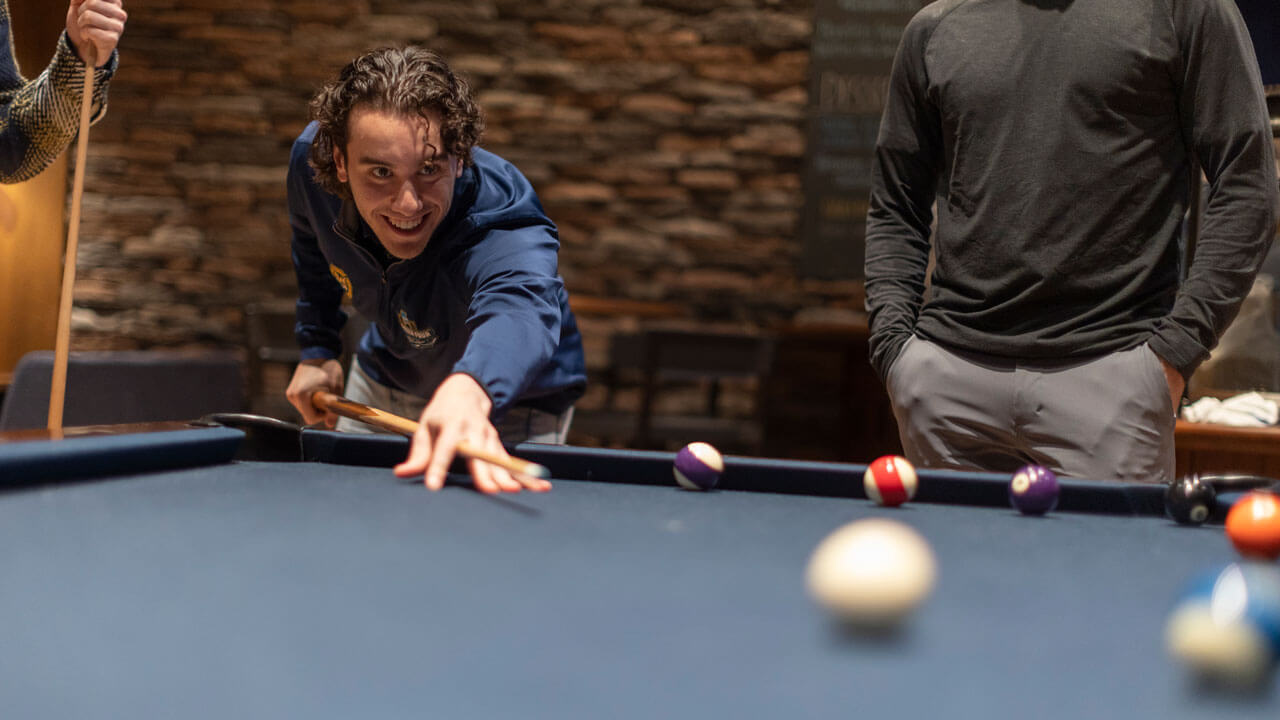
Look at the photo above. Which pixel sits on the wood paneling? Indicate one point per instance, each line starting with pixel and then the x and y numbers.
pixel 36 27
pixel 32 233
pixel 31 245
pixel 1208 448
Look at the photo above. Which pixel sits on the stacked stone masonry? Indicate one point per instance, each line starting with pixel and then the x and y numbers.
pixel 665 138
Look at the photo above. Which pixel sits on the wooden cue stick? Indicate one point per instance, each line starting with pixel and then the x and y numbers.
pixel 404 426
pixel 58 383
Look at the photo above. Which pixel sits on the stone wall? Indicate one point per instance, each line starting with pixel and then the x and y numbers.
pixel 664 137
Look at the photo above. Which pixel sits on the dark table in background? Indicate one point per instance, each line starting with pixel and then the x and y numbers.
pixel 822 400
pixel 323 589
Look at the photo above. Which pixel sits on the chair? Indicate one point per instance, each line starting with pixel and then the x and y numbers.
pixel 823 400
pixel 116 387
pixel 272 353
pixel 660 362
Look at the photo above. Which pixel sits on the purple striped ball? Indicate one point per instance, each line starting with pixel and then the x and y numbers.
pixel 698 466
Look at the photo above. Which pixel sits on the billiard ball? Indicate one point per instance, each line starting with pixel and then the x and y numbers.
pixel 1033 490
pixel 1190 500
pixel 1253 525
pixel 1226 629
pixel 698 466
pixel 871 573
pixel 890 480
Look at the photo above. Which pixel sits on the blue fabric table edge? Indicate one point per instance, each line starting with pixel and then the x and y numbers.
pixel 94 456
pixel 651 467
pixel 834 479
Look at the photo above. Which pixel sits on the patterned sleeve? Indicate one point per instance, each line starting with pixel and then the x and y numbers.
pixel 40 117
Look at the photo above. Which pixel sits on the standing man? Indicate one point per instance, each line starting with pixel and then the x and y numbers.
pixel 447 252
pixel 39 118
pixel 1056 138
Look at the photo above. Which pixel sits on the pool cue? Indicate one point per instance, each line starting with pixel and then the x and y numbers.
pixel 58 382
pixel 404 426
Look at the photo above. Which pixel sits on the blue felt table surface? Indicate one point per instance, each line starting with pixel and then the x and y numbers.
pixel 258 590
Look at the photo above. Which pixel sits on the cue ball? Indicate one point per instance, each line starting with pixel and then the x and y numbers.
pixel 698 466
pixel 1226 629
pixel 1190 500
pixel 1033 490
pixel 1253 525
pixel 871 573
pixel 890 480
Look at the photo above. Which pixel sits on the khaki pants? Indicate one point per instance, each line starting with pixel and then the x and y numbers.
pixel 520 424
pixel 1104 419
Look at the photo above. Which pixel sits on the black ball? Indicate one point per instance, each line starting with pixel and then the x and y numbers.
pixel 1190 500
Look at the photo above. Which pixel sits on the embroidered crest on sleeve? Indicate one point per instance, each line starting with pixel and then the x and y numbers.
pixel 419 338
pixel 342 279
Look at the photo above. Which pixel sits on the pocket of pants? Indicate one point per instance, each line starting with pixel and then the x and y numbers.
pixel 891 375
pixel 1159 382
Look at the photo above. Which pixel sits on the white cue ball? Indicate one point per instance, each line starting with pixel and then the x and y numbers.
pixel 1224 651
pixel 872 573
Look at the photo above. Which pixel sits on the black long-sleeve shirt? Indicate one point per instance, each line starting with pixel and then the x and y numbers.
pixel 1056 137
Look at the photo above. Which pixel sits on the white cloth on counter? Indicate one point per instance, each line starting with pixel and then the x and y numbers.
pixel 1247 410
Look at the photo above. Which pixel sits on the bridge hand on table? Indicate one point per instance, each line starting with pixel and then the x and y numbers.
pixel 459 412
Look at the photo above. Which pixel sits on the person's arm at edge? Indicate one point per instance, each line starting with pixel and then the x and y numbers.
pixel 319 305
pixel 1224 113
pixel 904 182
pixel 42 114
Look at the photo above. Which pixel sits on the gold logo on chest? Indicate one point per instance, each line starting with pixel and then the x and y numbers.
pixel 420 338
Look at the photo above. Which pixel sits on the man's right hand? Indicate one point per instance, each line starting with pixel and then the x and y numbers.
pixel 96 23
pixel 311 377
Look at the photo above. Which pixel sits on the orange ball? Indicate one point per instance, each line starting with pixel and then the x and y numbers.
pixel 1253 524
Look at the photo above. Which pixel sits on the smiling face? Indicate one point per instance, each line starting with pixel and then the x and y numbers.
pixel 400 178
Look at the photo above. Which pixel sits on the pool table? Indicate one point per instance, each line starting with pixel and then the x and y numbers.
pixel 172 574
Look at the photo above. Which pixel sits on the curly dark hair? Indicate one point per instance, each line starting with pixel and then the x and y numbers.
pixel 403 80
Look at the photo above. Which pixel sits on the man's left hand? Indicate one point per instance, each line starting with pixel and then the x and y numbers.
pixel 1176 385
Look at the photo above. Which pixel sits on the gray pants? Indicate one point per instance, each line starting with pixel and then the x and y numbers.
pixel 1108 418
pixel 520 424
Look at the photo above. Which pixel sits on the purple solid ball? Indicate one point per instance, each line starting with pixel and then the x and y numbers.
pixel 698 466
pixel 1033 490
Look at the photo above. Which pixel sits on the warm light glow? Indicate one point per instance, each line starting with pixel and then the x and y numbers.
pixel 8 212
pixel 32 238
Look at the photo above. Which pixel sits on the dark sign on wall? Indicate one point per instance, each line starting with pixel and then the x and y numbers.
pixel 1263 19
pixel 850 57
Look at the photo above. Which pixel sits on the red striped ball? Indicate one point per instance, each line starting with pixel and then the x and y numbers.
pixel 890 480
